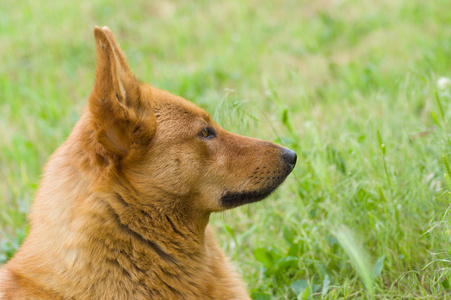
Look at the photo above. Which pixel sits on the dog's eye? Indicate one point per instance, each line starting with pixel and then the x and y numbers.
pixel 207 133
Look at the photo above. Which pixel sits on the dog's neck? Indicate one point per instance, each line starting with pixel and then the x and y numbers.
pixel 155 222
pixel 145 236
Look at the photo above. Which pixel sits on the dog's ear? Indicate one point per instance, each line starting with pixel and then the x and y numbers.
pixel 122 118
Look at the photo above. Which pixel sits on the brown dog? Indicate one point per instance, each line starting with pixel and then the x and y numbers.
pixel 123 206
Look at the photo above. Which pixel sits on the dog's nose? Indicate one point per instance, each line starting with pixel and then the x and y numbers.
pixel 290 157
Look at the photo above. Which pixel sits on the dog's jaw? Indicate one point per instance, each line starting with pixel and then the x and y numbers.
pixel 231 199
pixel 234 199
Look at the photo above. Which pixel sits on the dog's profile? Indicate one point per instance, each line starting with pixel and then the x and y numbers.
pixel 123 206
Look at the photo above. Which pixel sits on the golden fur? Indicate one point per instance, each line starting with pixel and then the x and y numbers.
pixel 123 206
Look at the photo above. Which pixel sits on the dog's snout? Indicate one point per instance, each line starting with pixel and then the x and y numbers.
pixel 289 156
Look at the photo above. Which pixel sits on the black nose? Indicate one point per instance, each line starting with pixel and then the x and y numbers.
pixel 289 156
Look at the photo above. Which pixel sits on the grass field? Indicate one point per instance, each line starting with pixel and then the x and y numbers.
pixel 356 88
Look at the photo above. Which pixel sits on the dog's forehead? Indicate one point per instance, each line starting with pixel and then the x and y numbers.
pixel 167 105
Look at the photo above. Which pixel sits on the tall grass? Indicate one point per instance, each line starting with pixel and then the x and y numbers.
pixel 351 86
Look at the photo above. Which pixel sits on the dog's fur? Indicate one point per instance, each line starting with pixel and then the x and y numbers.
pixel 123 206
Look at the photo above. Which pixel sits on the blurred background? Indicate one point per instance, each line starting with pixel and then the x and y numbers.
pixel 359 89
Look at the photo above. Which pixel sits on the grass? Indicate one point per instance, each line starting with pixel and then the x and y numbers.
pixel 351 86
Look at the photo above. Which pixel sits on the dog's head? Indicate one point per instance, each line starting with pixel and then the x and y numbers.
pixel 168 150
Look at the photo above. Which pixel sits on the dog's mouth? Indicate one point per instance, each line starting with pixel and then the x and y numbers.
pixel 234 199
pixel 231 199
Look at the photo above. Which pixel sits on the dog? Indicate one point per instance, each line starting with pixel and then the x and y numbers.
pixel 123 206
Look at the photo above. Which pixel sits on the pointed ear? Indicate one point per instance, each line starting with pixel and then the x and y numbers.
pixel 117 50
pixel 121 118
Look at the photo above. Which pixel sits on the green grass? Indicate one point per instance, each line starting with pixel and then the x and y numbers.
pixel 349 85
